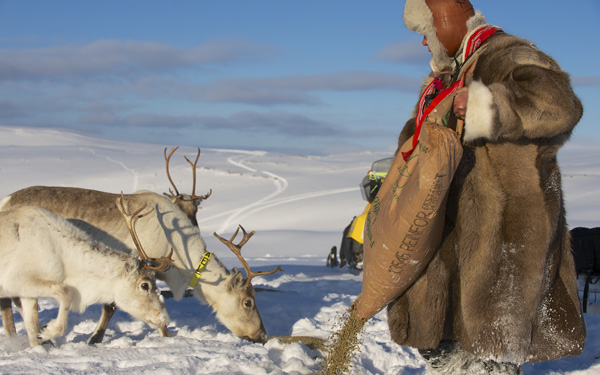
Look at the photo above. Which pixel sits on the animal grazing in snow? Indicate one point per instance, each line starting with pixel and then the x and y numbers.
pixel 44 255
pixel 167 229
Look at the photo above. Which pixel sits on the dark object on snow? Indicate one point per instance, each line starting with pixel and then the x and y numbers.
pixel 351 251
pixel 585 243
pixel 332 258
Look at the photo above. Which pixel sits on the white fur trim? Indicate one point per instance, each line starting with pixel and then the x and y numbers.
pixel 419 18
pixel 479 119
pixel 476 21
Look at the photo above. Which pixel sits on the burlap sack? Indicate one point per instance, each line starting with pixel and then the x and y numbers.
pixel 404 225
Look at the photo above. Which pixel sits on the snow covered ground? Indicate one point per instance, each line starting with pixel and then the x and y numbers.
pixel 298 206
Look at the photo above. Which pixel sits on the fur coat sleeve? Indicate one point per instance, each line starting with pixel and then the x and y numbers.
pixel 519 92
pixel 503 281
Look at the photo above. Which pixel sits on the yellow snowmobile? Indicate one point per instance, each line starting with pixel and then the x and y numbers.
pixel 351 248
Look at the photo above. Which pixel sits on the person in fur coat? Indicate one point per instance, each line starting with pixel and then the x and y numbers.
pixel 502 289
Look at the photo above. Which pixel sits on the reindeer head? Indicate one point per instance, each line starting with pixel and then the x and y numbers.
pixel 187 203
pixel 138 295
pixel 240 296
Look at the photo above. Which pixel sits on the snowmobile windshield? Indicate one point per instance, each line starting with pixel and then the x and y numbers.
pixel 382 165
pixel 371 183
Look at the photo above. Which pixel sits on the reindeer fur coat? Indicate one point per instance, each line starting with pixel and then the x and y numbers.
pixel 503 282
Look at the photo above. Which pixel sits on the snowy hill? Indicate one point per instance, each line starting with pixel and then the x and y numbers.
pixel 298 206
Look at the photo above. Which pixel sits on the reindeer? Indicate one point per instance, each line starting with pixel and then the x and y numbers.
pixel 167 228
pixel 44 255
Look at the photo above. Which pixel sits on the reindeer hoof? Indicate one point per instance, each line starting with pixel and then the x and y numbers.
pixel 96 338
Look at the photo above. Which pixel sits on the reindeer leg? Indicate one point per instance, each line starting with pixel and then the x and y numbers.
pixel 31 320
pixel 107 313
pixel 8 320
pixel 57 326
pixel 17 303
pixel 8 316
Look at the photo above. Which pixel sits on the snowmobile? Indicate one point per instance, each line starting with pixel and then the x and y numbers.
pixel 351 247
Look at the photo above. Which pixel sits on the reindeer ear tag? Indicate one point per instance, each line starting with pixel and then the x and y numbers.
pixel 200 269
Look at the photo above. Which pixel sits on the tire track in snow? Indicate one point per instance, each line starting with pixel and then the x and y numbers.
pixel 280 183
pixel 280 201
pixel 232 161
pixel 298 198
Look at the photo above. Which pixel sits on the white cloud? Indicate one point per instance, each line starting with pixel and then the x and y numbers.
pixel 122 58
pixel 404 52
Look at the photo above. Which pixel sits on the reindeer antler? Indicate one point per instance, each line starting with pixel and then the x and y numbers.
pixel 131 219
pixel 168 159
pixel 237 250
pixel 194 196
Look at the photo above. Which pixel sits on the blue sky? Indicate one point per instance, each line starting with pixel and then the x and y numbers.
pixel 301 77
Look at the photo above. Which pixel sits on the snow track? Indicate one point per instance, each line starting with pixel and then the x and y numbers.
pixel 280 186
pixel 234 216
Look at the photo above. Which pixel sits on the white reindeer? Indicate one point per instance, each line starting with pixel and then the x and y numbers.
pixel 43 255
pixel 168 229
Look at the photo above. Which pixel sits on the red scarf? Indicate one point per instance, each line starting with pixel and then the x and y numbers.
pixel 473 43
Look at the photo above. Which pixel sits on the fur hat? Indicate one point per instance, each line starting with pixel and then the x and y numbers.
pixel 443 23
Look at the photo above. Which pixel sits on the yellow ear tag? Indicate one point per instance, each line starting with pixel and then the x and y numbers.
pixel 201 267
